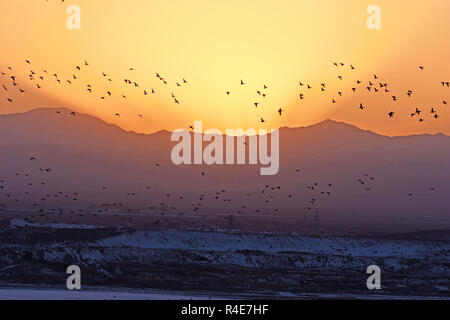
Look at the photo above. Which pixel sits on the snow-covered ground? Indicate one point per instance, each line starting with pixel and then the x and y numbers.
pixel 47 294
pixel 260 265
pixel 20 223
pixel 254 251
pixel 270 243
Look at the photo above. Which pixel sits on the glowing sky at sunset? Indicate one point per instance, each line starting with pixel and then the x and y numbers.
pixel 214 44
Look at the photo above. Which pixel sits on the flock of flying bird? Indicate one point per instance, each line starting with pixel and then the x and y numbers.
pixel 38 196
pixel 42 212
pixel 13 87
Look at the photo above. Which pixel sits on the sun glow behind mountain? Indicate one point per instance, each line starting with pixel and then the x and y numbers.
pixel 215 44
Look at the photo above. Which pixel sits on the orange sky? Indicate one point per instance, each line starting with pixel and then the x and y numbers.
pixel 214 44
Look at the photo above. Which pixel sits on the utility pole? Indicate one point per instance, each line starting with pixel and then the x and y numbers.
pixel 316 222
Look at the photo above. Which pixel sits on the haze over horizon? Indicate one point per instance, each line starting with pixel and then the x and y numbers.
pixel 334 167
pixel 204 128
